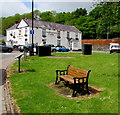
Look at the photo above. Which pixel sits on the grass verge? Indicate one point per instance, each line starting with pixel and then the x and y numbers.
pixel 33 95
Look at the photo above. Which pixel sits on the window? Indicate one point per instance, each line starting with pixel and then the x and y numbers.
pixel 44 41
pixel 14 35
pixel 58 42
pixel 26 31
pixel 75 44
pixel 11 33
pixel 58 34
pixel 19 32
pixel 43 32
pixel 26 42
pixel 76 35
pixel 68 34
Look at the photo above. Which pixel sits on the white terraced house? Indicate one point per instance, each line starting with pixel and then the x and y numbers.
pixel 51 33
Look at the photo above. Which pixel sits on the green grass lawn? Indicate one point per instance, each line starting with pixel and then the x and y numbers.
pixel 34 96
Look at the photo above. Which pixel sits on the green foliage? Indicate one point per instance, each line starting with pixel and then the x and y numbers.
pixel 102 20
pixel 47 16
pixel 3 41
pixel 107 16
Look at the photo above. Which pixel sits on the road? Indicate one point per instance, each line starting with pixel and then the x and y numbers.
pixel 6 55
pixel 5 60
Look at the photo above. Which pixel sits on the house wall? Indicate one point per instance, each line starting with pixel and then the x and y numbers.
pixel 19 38
pixel 51 36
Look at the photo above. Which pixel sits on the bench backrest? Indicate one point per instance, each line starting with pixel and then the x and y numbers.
pixel 75 72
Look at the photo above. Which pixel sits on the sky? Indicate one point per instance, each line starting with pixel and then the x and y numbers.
pixel 12 7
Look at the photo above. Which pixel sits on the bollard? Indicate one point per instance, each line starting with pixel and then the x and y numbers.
pixel 18 57
pixel 36 50
pixel 31 50
pixel 25 53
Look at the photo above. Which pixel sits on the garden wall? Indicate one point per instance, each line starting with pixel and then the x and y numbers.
pixel 101 45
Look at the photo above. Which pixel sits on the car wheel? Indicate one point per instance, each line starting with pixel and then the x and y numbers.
pixel 10 50
pixel 111 52
pixel 60 50
pixel 21 50
pixel 67 50
pixel 54 50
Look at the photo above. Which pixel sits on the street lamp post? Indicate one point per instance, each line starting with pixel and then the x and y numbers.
pixel 32 50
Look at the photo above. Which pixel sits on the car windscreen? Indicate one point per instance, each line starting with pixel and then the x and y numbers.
pixel 116 46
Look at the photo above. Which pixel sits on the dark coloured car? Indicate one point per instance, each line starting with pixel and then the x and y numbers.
pixel 26 47
pixel 61 49
pixel 5 48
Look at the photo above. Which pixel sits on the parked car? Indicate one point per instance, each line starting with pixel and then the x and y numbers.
pixel 52 47
pixel 27 47
pixel 5 48
pixel 114 47
pixel 61 49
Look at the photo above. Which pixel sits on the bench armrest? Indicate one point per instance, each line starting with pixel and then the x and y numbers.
pixel 61 72
pixel 79 79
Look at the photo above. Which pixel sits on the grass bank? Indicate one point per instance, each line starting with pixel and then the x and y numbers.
pixel 34 96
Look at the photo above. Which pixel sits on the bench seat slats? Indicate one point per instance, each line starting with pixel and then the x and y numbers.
pixel 70 79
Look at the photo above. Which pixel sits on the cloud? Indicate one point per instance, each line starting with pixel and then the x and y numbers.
pixel 11 8
pixel 63 6
pixel 64 0
pixel 48 0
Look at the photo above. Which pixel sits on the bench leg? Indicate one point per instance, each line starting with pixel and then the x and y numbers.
pixel 82 87
pixel 56 80
pixel 87 88
pixel 74 90
pixel 73 94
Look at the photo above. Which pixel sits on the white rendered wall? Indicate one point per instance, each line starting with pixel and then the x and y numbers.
pixel 51 37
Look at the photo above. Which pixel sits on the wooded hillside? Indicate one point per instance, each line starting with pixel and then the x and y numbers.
pixel 103 22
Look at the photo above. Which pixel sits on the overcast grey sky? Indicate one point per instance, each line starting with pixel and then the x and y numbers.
pixel 10 8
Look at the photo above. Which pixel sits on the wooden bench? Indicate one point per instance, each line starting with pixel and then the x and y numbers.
pixel 75 76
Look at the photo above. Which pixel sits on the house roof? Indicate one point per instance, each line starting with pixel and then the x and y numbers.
pixel 48 25
pixel 13 27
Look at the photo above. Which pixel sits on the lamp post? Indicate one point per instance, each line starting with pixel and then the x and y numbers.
pixel 32 31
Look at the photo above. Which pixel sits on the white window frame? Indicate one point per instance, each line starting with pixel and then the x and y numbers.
pixel 68 34
pixel 58 34
pixel 58 42
pixel 43 32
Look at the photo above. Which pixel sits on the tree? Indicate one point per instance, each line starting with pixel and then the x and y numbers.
pixel 79 12
pixel 47 16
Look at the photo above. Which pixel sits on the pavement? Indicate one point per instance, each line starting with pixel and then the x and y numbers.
pixel 5 104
